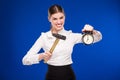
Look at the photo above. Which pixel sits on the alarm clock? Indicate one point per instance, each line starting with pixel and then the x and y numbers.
pixel 87 37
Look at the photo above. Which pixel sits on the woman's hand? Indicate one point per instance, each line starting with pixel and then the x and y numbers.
pixel 47 56
pixel 87 27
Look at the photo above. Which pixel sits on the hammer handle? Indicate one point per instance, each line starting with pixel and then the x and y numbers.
pixel 53 47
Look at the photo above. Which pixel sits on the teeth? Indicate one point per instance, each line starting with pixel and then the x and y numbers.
pixel 58 25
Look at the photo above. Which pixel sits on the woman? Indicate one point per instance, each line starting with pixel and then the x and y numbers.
pixel 59 62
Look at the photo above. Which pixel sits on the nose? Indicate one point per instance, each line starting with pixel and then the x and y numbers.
pixel 58 21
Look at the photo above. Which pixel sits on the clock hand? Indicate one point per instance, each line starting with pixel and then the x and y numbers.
pixel 87 38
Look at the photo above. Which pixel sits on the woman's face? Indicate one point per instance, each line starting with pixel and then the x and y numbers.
pixel 57 21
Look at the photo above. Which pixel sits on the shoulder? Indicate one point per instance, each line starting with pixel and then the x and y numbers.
pixel 70 32
pixel 67 32
pixel 47 34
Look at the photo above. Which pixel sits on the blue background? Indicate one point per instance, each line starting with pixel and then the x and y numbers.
pixel 22 21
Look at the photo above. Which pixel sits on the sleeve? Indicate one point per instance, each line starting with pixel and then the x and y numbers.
pixel 76 38
pixel 97 36
pixel 32 56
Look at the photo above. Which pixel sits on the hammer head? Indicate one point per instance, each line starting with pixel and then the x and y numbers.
pixel 59 36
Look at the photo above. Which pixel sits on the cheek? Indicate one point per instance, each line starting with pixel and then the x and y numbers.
pixel 63 20
pixel 53 22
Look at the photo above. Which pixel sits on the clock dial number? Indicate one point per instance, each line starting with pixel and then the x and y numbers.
pixel 88 39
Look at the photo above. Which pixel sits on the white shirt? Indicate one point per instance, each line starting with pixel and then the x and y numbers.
pixel 61 54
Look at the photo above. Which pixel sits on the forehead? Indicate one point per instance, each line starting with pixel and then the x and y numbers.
pixel 57 15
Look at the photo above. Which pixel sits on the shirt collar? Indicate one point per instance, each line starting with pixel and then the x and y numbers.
pixel 61 31
pixel 49 33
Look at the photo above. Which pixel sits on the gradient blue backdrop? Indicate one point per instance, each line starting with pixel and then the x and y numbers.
pixel 22 21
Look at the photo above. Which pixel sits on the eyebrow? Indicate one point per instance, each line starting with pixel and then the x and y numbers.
pixel 59 17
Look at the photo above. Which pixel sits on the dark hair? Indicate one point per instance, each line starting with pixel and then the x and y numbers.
pixel 55 9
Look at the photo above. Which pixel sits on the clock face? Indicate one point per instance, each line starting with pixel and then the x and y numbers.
pixel 87 39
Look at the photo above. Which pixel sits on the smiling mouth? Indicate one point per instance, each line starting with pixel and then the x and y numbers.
pixel 59 25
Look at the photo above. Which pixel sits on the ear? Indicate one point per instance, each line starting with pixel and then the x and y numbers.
pixel 49 19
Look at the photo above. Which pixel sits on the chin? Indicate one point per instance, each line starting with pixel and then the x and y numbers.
pixel 60 29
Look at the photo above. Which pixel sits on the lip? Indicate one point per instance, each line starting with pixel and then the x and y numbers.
pixel 59 25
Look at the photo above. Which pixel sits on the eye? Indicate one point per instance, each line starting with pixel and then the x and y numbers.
pixel 61 17
pixel 54 18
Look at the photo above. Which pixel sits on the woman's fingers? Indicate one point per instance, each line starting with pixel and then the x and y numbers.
pixel 87 27
pixel 47 55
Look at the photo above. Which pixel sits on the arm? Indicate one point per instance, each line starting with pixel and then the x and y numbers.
pixel 32 56
pixel 97 35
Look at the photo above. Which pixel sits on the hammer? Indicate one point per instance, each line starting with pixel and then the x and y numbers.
pixel 58 37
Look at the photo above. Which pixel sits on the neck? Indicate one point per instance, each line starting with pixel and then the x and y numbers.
pixel 55 31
